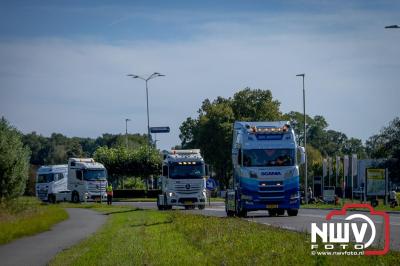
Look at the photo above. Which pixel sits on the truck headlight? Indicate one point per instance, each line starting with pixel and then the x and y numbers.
pixel 288 174
pixel 253 174
pixel 171 194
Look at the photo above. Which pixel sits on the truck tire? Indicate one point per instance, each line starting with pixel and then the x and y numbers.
pixel 240 212
pixel 51 198
pixel 159 206
pixel 272 212
pixel 75 197
pixel 280 211
pixel 292 212
pixel 201 207
pixel 230 213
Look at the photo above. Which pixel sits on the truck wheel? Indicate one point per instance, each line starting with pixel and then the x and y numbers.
pixel 230 213
pixel 280 211
pixel 51 198
pixel 272 212
pixel 242 213
pixel 75 197
pixel 292 212
pixel 159 206
pixel 201 207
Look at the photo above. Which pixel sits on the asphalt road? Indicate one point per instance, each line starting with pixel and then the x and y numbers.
pixel 301 222
pixel 41 248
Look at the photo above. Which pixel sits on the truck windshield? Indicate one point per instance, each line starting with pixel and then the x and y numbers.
pixel 94 174
pixel 45 178
pixel 268 157
pixel 186 171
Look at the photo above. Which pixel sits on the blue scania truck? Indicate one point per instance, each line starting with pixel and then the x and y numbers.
pixel 266 161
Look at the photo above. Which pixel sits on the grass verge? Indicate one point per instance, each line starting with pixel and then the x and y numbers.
pixel 27 216
pixel 147 237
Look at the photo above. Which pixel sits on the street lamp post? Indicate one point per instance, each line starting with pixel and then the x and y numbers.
pixel 126 131
pixel 154 75
pixel 305 139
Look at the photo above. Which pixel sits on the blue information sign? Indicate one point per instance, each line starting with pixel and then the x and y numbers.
pixel 159 129
pixel 211 184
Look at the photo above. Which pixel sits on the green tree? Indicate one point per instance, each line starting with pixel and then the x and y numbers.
pixel 328 142
pixel 38 146
pixel 212 132
pixel 14 162
pixel 386 144
pixel 255 105
pixel 122 162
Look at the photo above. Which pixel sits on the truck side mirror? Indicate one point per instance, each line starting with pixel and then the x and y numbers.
pixel 165 171
pixel 302 155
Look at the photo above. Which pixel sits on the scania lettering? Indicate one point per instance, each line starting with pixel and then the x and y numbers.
pixel 50 180
pixel 183 180
pixel 265 169
pixel 87 180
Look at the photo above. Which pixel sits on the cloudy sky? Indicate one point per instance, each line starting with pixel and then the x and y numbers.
pixel 63 64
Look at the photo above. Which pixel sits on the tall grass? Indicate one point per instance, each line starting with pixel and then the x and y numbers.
pixel 147 237
pixel 27 216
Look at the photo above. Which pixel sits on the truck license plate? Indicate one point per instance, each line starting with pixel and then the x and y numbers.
pixel 272 206
pixel 187 202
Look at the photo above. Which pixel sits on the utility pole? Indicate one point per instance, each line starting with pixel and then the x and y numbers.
pixel 126 131
pixel 154 75
pixel 305 139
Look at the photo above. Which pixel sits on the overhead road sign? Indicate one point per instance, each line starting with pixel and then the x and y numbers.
pixel 159 129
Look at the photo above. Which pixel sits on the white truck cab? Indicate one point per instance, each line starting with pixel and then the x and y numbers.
pixel 51 180
pixel 183 180
pixel 87 180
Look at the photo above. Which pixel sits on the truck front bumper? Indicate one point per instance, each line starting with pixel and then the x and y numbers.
pixel 186 200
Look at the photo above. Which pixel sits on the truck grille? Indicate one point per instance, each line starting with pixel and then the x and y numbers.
pixel 271 191
pixel 42 194
pixel 96 188
pixel 187 188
